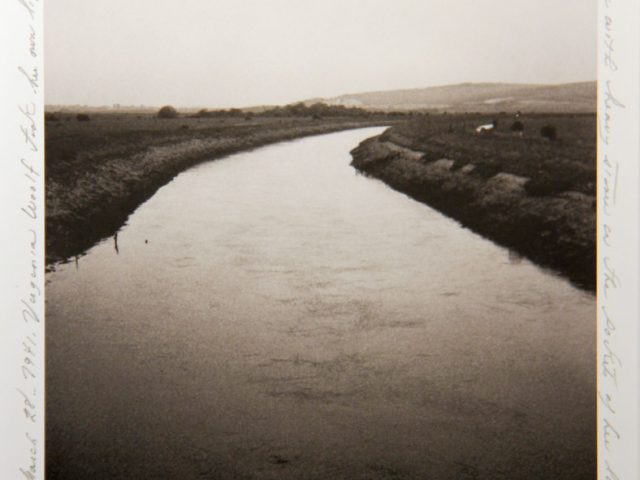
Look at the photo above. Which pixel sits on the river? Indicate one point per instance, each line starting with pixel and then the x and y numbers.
pixel 275 315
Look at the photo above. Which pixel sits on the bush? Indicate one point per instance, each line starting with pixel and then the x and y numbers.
pixel 517 126
pixel 51 117
pixel 167 112
pixel 487 170
pixel 67 153
pixel 549 131
pixel 82 117
pixel 458 164
pixel 546 185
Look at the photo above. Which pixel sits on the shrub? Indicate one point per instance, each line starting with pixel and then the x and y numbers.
pixel 546 184
pixel 458 164
pixel 67 153
pixel 517 126
pixel 487 170
pixel 82 117
pixel 51 117
pixel 549 131
pixel 167 112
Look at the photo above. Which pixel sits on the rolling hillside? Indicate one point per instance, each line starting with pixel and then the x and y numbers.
pixel 479 97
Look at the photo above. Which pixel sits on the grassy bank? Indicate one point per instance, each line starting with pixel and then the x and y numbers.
pixel 99 170
pixel 524 191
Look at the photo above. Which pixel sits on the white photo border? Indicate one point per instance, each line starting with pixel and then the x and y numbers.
pixel 618 239
pixel 22 203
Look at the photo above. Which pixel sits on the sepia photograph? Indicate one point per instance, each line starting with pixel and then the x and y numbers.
pixel 318 240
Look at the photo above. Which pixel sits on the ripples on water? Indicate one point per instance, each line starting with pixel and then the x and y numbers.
pixel 275 315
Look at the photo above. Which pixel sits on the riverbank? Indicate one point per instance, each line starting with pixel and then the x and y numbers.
pixel 527 193
pixel 101 170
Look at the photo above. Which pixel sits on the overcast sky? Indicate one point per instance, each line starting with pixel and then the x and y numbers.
pixel 223 53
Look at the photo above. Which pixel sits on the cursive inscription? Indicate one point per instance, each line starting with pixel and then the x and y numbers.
pixel 32 77
pixel 609 50
pixel 613 365
pixel 29 471
pixel 30 7
pixel 605 114
pixel 30 301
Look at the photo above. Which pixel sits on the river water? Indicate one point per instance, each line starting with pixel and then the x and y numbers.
pixel 275 315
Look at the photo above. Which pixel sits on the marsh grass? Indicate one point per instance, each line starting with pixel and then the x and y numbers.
pixel 566 164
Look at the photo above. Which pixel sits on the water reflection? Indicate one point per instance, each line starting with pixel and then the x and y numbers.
pixel 514 257
pixel 288 308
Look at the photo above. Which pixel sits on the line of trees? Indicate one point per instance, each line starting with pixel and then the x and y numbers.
pixel 316 110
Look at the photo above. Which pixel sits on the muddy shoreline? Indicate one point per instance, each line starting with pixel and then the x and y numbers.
pixel 556 232
pixel 92 191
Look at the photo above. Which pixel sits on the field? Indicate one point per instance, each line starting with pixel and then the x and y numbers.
pixel 99 169
pixel 533 194
pixel 566 164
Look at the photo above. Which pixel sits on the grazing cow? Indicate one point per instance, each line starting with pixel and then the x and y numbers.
pixel 487 129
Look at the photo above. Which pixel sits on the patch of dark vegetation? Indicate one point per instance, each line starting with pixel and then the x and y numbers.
pixel 545 185
pixel 167 112
pixel 549 131
pixel 316 111
pixel 517 126
pixel 278 460
pixel 486 170
pixel 526 193
pixel 458 164
pixel 82 117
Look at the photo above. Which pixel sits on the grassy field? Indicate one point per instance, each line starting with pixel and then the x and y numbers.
pixel 566 164
pixel 525 191
pixel 99 170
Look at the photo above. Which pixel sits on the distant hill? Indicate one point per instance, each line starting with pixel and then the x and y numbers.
pixel 478 97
